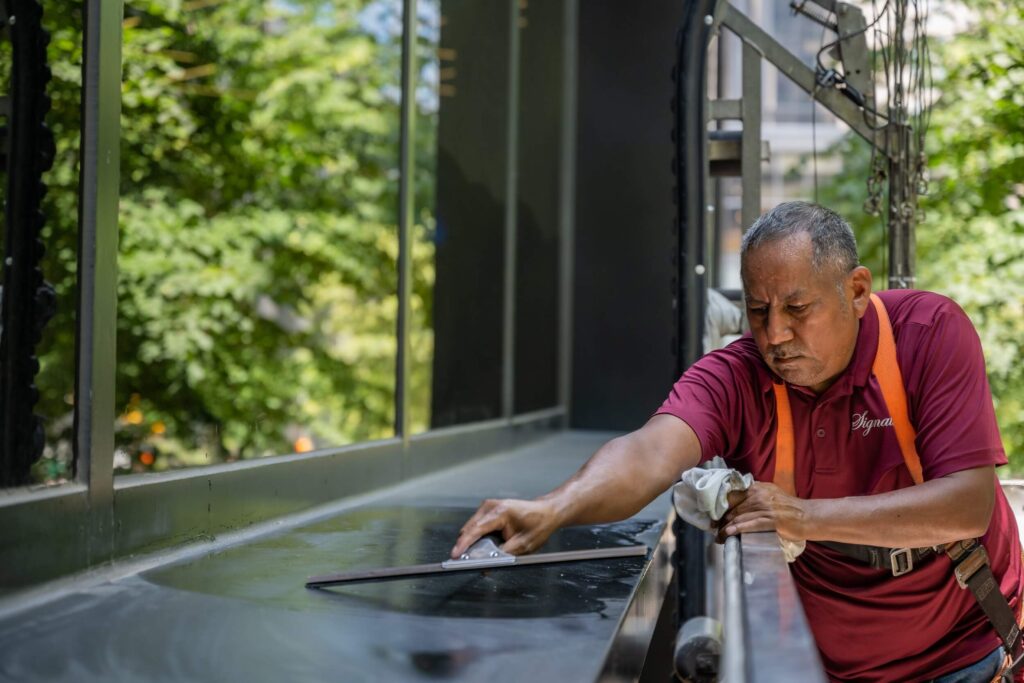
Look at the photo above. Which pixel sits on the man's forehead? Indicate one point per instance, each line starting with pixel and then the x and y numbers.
pixel 793 248
pixel 783 269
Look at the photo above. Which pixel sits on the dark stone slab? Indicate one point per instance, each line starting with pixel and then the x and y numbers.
pixel 242 613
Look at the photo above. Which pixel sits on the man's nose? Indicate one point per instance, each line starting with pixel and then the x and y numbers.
pixel 777 328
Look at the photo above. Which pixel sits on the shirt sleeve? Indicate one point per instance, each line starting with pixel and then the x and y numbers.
pixel 708 397
pixel 948 395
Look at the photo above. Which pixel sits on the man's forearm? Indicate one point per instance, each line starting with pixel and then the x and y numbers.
pixel 939 511
pixel 950 508
pixel 613 485
pixel 626 474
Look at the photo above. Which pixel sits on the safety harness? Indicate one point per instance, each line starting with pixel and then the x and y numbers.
pixel 970 560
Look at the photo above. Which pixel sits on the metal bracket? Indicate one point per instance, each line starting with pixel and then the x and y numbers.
pixel 484 553
pixel 798 72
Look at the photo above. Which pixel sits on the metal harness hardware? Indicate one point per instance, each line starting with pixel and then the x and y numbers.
pixel 966 568
pixel 902 560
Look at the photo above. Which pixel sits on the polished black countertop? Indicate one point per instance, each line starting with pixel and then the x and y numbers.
pixel 241 612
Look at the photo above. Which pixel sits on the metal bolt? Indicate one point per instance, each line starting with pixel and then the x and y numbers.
pixel 494 553
pixel 708 20
pixel 464 556
pixel 711 208
pixel 699 269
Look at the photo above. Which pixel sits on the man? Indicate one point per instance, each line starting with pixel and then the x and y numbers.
pixel 814 328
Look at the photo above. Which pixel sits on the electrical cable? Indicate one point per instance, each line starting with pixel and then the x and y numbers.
pixel 841 83
pixel 907 72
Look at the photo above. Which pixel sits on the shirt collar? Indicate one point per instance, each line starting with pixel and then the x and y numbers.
pixel 856 374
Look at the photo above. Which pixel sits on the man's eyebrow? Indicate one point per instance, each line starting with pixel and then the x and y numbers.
pixel 798 294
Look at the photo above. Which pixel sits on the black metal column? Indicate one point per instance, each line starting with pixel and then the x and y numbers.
pixel 690 167
pixel 28 301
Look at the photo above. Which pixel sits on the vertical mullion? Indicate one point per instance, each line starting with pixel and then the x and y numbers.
pixel 97 256
pixel 406 216
pixel 511 216
pixel 750 151
pixel 567 207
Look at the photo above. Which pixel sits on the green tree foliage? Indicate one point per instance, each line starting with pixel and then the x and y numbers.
pixel 258 228
pixel 970 244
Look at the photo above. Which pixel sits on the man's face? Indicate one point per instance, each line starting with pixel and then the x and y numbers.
pixel 804 327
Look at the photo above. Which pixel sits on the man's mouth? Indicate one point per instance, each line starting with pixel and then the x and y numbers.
pixel 782 360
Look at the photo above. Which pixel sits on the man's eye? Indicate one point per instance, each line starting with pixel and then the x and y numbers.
pixel 798 309
pixel 758 311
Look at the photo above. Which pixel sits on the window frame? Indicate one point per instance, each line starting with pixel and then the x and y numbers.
pixel 49 532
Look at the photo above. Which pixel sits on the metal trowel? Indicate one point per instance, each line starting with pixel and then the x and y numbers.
pixel 484 554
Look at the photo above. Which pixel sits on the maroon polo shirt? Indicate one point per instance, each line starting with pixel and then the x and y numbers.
pixel 869 625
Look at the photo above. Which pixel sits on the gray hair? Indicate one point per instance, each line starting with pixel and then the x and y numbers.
pixel 832 240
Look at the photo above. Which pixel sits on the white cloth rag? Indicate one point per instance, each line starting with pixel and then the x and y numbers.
pixel 702 496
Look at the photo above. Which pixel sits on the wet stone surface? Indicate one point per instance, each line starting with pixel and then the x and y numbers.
pixel 244 614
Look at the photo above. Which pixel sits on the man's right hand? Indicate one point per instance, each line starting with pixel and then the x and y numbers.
pixel 524 524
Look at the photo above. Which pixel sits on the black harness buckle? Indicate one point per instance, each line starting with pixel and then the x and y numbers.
pixel 968 566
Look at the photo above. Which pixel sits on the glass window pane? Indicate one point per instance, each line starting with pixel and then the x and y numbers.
pixel 461 193
pixel 257 290
pixel 538 184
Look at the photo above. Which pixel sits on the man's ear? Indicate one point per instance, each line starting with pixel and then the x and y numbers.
pixel 858 283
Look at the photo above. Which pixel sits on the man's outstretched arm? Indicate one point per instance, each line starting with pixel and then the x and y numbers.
pixel 621 478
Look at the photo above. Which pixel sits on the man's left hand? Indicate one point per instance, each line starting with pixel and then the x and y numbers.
pixel 764 507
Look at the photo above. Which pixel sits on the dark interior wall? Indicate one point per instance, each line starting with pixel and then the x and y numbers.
pixel 471 203
pixel 541 77
pixel 470 212
pixel 623 317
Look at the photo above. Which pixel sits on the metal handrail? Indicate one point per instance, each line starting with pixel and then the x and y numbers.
pixel 734 623
pixel 765 634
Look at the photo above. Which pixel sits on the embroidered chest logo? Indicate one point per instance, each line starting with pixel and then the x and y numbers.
pixel 864 424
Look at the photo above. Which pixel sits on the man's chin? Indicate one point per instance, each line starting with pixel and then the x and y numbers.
pixel 798 378
pixel 793 375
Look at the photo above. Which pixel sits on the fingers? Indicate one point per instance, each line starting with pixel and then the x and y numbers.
pixel 745 506
pixel 764 507
pixel 756 498
pixel 486 519
pixel 525 525
pixel 736 497
pixel 746 523
pixel 520 544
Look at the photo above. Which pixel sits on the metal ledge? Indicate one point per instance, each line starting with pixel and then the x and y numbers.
pixel 634 651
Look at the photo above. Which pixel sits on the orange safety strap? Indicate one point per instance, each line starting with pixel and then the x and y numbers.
pixel 887 370
pixel 890 380
pixel 784 446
